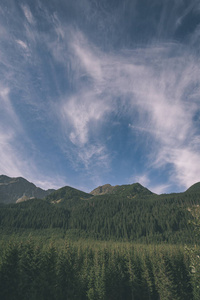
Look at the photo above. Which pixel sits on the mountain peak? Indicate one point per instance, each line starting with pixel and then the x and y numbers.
pixel 124 190
pixel 13 189
pixel 103 189
pixel 67 195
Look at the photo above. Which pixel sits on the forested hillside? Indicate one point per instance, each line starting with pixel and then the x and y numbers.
pixel 114 245
pixel 132 214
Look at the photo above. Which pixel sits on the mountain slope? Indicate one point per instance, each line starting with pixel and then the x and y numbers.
pixel 67 196
pixel 194 188
pixel 102 190
pixel 19 189
pixel 127 212
pixel 129 190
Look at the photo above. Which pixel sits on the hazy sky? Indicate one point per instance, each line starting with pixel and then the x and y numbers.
pixel 95 92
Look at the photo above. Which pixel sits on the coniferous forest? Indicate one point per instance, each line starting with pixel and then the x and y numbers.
pixel 126 244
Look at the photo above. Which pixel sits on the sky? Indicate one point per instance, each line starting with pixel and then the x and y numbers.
pixel 100 91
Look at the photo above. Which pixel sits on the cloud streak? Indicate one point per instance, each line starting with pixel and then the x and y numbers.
pixel 10 127
pixel 159 84
pixel 28 14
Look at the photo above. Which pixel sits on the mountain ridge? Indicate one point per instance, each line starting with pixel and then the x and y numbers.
pixel 67 195
pixel 194 188
pixel 126 190
pixel 17 189
pixel 127 212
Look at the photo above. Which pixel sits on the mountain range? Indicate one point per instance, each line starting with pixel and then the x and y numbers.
pixel 15 190
pixel 126 212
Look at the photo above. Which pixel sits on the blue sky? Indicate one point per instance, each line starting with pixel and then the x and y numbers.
pixel 95 92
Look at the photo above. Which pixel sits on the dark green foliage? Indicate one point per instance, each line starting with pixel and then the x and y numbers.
pixel 36 214
pixel 194 188
pixel 9 273
pixel 67 196
pixel 40 271
pixel 149 218
pixel 31 271
pixel 194 254
pixel 131 190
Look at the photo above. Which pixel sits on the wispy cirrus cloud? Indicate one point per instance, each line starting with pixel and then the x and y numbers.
pixel 15 160
pixel 28 14
pixel 81 116
pixel 159 84
pixel 71 86
pixel 10 127
pixel 82 112
pixel 22 44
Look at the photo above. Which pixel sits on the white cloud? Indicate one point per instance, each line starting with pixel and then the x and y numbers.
pixel 91 63
pixel 79 115
pixel 79 112
pixel 22 44
pixel 185 161
pixel 28 14
pixel 14 142
pixel 160 189
pixel 7 113
pixel 9 127
pixel 46 182
pixel 142 179
pixel 187 166
pixel 9 163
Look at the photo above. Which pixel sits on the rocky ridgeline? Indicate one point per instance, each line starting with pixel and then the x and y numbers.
pixel 19 189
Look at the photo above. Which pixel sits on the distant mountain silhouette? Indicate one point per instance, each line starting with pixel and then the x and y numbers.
pixel 15 190
pixel 19 189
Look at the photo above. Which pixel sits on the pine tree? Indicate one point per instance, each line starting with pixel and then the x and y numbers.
pixel 28 271
pixel 165 285
pixel 149 278
pixel 49 273
pixel 9 274
pixel 194 255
